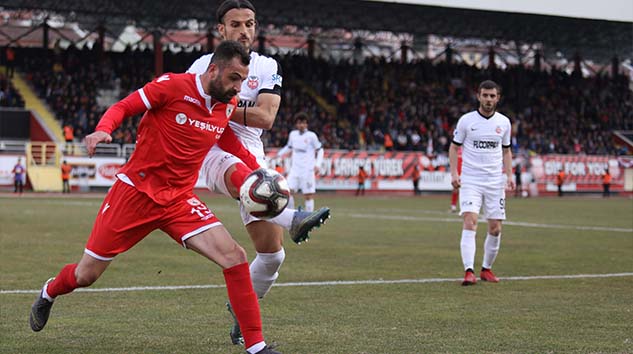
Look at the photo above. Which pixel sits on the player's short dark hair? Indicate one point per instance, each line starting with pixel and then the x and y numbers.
pixel 301 117
pixel 489 85
pixel 227 50
pixel 228 5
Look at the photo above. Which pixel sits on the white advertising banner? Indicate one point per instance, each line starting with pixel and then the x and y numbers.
pixel 7 162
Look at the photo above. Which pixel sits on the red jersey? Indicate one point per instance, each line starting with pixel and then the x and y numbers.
pixel 180 125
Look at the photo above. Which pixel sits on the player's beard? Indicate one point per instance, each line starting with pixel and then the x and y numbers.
pixel 488 109
pixel 217 91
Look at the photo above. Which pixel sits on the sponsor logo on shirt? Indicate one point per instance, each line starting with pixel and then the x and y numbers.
pixel 277 79
pixel 192 100
pixel 193 202
pixel 243 103
pixel 480 144
pixel 252 82
pixel 181 118
pixel 229 109
pixel 205 126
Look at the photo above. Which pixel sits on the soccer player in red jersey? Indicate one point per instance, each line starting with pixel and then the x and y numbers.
pixel 185 114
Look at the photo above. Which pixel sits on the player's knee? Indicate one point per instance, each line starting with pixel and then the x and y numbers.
pixel 86 277
pixel 494 229
pixel 470 223
pixel 237 255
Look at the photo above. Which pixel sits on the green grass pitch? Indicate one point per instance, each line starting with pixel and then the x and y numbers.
pixel 368 239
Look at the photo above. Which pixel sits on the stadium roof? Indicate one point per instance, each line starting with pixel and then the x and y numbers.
pixel 596 39
pixel 610 10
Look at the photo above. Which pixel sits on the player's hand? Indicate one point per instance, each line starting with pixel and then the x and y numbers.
pixel 455 182
pixel 95 138
pixel 317 170
pixel 511 184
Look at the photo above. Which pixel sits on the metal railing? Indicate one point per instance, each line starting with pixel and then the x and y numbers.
pixel 71 149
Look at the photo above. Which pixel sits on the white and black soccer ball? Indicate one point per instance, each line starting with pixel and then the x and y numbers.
pixel 265 193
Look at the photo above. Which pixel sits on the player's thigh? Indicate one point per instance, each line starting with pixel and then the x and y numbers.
pixel 193 225
pixel 217 245
pixel 308 183
pixel 215 165
pixel 186 218
pixel 266 237
pixel 125 218
pixel 495 203
pixel 470 199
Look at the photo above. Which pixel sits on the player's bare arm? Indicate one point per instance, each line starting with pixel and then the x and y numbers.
pixel 452 157
pixel 262 115
pixel 507 167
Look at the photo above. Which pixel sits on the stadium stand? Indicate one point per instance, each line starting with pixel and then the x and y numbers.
pixel 9 96
pixel 357 105
pixel 416 103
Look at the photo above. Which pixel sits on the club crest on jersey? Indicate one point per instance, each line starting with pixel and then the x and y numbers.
pixel 181 118
pixel 194 202
pixel 252 82
pixel 498 130
pixel 229 109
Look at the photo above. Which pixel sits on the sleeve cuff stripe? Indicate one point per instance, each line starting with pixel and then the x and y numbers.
pixel 506 146
pixel 456 143
pixel 144 98
pixel 273 91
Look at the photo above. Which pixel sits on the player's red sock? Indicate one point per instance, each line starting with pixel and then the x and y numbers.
pixel 64 282
pixel 244 303
pixel 239 175
pixel 454 198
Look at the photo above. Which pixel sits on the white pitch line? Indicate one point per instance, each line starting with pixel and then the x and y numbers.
pixel 513 223
pixel 331 283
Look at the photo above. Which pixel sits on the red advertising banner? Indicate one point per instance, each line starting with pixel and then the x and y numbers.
pixel 582 173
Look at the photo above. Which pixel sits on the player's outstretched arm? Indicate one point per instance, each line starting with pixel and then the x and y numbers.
pixel 231 144
pixel 112 118
pixel 262 115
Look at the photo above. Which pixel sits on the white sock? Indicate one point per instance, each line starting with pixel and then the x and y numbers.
pixel 256 347
pixel 468 248
pixel 45 293
pixel 284 219
pixel 491 248
pixel 264 271
pixel 291 202
pixel 310 205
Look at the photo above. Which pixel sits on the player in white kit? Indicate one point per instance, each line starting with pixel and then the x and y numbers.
pixel 307 155
pixel 258 105
pixel 484 136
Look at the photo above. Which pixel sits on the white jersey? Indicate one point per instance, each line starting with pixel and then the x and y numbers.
pixel 264 76
pixel 304 147
pixel 482 139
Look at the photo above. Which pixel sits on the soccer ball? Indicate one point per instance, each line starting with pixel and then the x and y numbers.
pixel 265 193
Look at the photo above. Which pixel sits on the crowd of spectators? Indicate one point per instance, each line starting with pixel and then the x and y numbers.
pixel 415 106
pixel 373 105
pixel 9 96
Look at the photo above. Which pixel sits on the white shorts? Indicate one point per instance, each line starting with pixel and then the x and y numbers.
pixel 213 169
pixel 472 197
pixel 306 182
